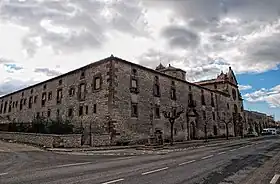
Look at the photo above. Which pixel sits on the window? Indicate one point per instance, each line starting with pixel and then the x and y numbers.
pixel 204 115
pixel 1 108
pixel 86 109
pixel 94 108
pixel 49 113
pixel 173 83
pixel 156 90
pixel 173 93
pixel 82 91
pixel 16 104
pixel 215 86
pixel 22 94
pixel 80 110
pixel 58 96
pixel 191 102
pixel 97 82
pixel 213 116
pixel 21 104
pixel 30 102
pixel 35 99
pixel 82 75
pixel 50 96
pixel 134 83
pixel 31 91
pixel 60 82
pixel 5 107
pixel 72 91
pixel 24 101
pixel 45 86
pixel 134 72
pixel 44 99
pixel 190 88
pixel 233 94
pixel 134 110
pixel 70 112
pixel 202 98
pixel 157 112
pixel 227 106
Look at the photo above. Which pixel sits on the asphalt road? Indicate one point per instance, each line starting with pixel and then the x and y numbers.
pixel 220 164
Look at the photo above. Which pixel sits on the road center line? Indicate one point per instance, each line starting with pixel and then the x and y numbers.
pixel 2 174
pixel 75 164
pixel 275 179
pixel 153 171
pixel 209 156
pixel 113 181
pixel 232 150
pixel 221 153
pixel 188 162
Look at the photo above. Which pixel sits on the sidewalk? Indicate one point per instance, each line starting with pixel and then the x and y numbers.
pixel 140 149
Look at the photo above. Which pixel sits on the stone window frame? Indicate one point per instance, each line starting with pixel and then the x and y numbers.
pixel 95 77
pixel 49 95
pixel 44 99
pixel 156 87
pixel 134 110
pixel 173 95
pixel 94 108
pixel 49 113
pixel 81 110
pixel 30 102
pixel 35 99
pixel 44 86
pixel 86 109
pixel 71 91
pixel 16 104
pixel 21 104
pixel 157 111
pixel 22 94
pixel 134 77
pixel 234 96
pixel 213 115
pixel 10 107
pixel 203 102
pixel 60 82
pixel 79 94
pixel 5 107
pixel 58 96
pixel 83 74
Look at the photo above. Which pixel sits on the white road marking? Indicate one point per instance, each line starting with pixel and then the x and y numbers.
pixel 232 150
pixel 2 174
pixel 188 162
pixel 221 153
pixel 157 170
pixel 275 179
pixel 209 156
pixel 113 181
pixel 75 164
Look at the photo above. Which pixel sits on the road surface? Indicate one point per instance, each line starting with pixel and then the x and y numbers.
pixel 220 164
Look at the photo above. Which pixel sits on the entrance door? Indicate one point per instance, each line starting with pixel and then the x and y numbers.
pixel 192 130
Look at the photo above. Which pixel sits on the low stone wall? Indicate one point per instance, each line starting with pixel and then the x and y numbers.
pixel 47 140
pixel 101 140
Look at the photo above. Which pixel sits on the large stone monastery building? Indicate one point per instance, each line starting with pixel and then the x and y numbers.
pixel 125 99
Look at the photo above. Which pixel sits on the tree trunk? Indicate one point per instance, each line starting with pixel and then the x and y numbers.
pixel 205 132
pixel 171 133
pixel 227 130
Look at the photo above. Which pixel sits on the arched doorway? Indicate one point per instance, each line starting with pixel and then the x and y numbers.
pixel 192 130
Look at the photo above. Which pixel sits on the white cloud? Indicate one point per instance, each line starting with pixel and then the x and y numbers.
pixel 244 87
pixel 271 96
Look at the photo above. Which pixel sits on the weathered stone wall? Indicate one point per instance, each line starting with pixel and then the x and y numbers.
pixel 101 140
pixel 145 100
pixel 70 80
pixel 47 140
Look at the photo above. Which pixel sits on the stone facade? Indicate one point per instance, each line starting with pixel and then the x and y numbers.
pixel 126 100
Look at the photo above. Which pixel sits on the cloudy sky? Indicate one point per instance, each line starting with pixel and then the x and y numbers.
pixel 40 39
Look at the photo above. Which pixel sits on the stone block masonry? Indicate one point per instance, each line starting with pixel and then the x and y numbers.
pixel 46 140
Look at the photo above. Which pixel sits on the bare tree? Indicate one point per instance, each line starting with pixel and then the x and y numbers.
pixel 226 119
pixel 207 120
pixel 172 116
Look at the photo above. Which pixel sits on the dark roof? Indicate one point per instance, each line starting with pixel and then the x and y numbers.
pixel 110 59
